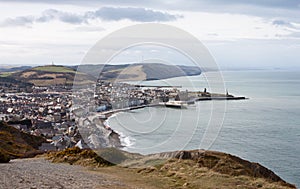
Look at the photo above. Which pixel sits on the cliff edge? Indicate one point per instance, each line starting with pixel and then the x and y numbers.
pixel 182 169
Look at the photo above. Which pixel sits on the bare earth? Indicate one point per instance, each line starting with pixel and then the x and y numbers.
pixel 39 173
pixel 136 72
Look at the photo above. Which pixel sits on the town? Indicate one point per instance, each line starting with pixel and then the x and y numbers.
pixel 52 111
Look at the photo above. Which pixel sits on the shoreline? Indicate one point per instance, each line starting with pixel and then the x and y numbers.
pixel 115 136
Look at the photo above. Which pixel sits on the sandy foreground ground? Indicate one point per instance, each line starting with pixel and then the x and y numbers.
pixel 39 173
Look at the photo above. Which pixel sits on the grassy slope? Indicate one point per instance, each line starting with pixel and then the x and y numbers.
pixel 188 174
pixel 16 143
pixel 5 74
pixel 155 172
pixel 61 75
pixel 8 71
pixel 56 69
pixel 152 71
pixel 52 75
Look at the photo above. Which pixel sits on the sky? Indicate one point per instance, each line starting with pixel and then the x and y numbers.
pixel 238 33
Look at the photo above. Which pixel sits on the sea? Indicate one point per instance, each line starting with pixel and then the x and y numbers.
pixel 264 128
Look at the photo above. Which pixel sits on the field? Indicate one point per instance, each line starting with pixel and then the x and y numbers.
pixel 5 74
pixel 57 69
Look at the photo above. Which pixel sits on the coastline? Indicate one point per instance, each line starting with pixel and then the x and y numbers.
pixel 115 137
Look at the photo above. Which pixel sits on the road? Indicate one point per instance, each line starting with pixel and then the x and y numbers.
pixel 39 173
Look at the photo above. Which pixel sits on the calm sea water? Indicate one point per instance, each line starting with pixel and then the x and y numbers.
pixel 264 129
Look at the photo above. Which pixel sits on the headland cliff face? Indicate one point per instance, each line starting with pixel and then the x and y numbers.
pixel 225 164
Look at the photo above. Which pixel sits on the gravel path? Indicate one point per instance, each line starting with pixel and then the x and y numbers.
pixel 39 173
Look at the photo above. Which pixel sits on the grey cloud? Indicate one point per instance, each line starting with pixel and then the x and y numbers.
pixel 283 9
pixel 18 21
pixel 281 23
pixel 48 15
pixel 104 13
pixel 288 26
pixel 270 9
pixel 134 14
pixel 52 14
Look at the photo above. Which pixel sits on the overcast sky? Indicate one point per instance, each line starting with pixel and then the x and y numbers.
pixel 238 33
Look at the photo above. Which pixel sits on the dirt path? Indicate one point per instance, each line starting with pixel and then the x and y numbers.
pixel 39 173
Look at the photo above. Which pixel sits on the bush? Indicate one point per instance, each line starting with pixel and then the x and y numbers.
pixel 4 158
pixel 77 156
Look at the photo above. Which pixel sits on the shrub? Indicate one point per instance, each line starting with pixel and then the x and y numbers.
pixel 77 156
pixel 4 158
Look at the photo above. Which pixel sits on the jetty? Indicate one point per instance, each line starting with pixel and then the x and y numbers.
pixel 206 96
pixel 158 86
pixel 221 98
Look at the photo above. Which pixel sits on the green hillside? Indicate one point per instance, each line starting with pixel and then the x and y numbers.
pixel 52 75
pixel 55 69
pixel 86 74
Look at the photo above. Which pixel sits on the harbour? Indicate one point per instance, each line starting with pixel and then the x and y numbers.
pixel 259 129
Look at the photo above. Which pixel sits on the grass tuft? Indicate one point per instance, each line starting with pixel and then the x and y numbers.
pixel 78 156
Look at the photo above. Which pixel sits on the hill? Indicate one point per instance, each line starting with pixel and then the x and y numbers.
pixel 180 169
pixel 14 69
pixel 64 75
pixel 17 144
pixel 138 71
pixel 156 71
pixel 50 75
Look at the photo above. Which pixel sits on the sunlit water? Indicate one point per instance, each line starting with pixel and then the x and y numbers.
pixel 264 129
